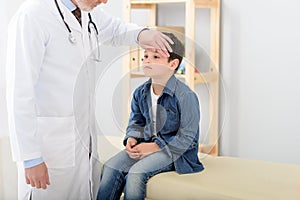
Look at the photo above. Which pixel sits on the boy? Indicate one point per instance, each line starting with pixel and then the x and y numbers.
pixel 163 130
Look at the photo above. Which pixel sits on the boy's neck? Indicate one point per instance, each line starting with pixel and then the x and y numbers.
pixel 159 84
pixel 157 88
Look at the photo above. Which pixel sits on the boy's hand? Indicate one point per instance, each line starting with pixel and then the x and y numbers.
pixel 131 142
pixel 145 149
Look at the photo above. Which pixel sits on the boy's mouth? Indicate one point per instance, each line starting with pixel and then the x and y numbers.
pixel 147 67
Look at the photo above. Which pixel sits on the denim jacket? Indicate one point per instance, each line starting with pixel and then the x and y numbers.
pixel 177 123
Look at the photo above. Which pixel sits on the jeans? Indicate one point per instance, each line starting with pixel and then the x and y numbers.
pixel 122 172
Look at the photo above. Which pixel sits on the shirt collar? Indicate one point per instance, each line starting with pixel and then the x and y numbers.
pixel 146 87
pixel 69 4
pixel 169 88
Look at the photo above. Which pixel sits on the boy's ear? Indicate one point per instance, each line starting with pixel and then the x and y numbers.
pixel 174 64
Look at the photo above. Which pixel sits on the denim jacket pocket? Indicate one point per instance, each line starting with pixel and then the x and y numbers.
pixel 172 120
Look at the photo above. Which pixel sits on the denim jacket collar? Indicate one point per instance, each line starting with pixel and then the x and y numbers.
pixel 169 88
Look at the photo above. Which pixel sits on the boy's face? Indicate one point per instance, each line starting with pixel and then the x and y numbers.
pixel 154 65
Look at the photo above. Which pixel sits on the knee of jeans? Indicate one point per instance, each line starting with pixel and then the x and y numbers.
pixel 135 177
pixel 137 169
pixel 134 180
pixel 108 171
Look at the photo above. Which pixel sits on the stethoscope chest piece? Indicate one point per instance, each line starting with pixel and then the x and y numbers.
pixel 72 39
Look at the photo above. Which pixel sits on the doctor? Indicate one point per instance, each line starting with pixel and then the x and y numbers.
pixel 48 95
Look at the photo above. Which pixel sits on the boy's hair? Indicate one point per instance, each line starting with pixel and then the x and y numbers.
pixel 177 47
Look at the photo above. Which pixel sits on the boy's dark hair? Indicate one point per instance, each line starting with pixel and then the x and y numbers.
pixel 177 47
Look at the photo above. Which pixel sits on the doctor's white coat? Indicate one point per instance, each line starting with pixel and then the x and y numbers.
pixel 49 99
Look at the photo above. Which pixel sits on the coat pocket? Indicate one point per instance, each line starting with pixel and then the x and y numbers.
pixel 57 141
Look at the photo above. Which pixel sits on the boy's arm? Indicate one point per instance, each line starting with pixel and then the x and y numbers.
pixel 186 136
pixel 136 122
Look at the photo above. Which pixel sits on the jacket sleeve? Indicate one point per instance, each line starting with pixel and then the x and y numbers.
pixel 25 51
pixel 136 122
pixel 187 135
pixel 114 31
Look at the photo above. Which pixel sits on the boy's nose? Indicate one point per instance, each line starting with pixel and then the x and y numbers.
pixel 145 60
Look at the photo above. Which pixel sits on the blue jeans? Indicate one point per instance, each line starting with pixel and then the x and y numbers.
pixel 122 172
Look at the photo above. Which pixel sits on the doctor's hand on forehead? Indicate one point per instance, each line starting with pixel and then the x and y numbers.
pixel 155 41
pixel 148 39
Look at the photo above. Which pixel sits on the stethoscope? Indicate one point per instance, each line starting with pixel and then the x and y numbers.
pixel 72 38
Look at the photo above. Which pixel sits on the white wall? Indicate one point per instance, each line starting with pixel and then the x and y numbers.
pixel 8 172
pixel 7 9
pixel 8 175
pixel 260 66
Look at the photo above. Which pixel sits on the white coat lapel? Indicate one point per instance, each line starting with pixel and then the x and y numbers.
pixel 71 20
pixel 68 16
pixel 85 35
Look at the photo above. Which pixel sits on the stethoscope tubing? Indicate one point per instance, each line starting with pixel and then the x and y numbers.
pixel 62 16
pixel 72 39
pixel 91 22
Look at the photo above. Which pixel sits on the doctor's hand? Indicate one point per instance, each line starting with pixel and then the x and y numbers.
pixel 37 176
pixel 155 41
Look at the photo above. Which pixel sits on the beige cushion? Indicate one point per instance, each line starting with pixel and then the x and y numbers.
pixel 223 178
pixel 229 178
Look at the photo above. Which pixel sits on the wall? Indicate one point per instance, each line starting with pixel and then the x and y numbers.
pixel 260 67
pixel 7 9
pixel 8 174
pixel 3 27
